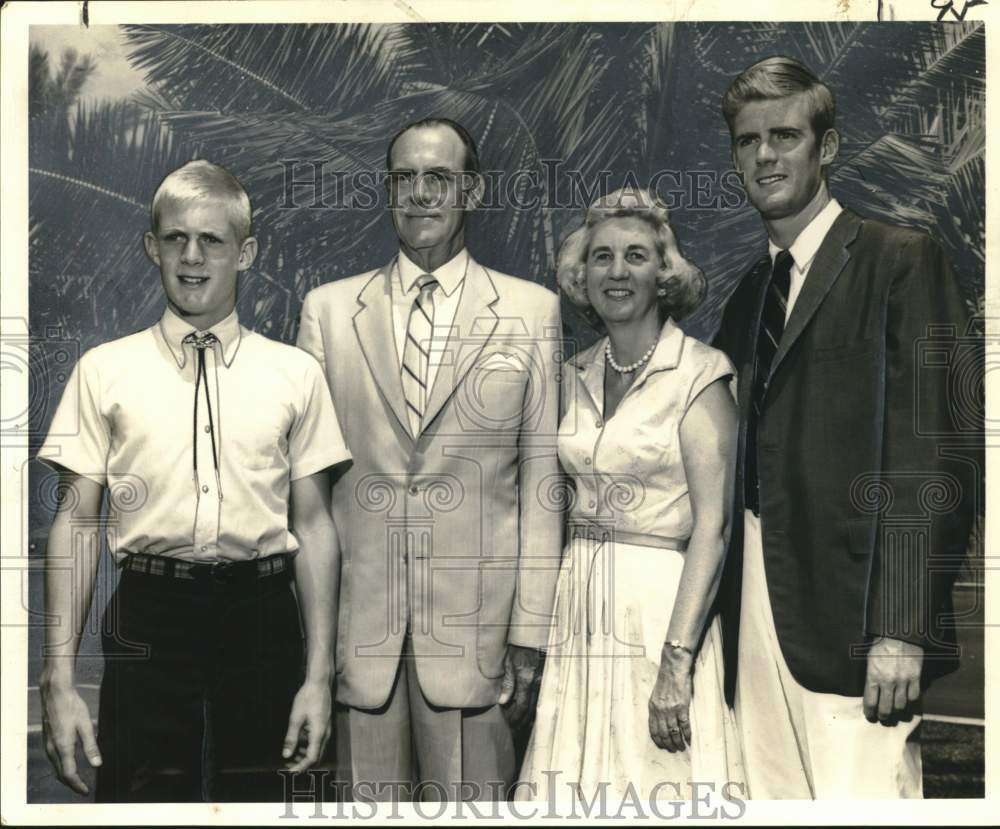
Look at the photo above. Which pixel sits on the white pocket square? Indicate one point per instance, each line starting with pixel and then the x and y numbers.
pixel 497 361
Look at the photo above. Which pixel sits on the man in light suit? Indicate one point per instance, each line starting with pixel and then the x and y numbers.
pixel 838 579
pixel 446 375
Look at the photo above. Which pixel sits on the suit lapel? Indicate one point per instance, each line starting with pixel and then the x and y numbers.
pixel 475 321
pixel 373 326
pixel 830 260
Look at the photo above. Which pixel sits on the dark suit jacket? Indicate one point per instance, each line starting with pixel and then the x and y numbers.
pixel 865 514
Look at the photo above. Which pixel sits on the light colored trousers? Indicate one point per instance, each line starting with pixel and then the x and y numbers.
pixel 799 743
pixel 450 753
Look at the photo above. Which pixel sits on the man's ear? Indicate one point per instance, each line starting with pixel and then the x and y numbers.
pixel 474 192
pixel 248 253
pixel 152 247
pixel 736 161
pixel 829 147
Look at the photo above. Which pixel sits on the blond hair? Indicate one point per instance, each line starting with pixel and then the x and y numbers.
pixel 682 282
pixel 202 180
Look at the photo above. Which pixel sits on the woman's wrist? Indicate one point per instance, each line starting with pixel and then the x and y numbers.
pixel 677 648
pixel 676 654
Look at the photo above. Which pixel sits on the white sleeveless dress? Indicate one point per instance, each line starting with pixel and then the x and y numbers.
pixel 629 521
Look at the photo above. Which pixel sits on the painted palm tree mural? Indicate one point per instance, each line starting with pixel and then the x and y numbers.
pixel 560 111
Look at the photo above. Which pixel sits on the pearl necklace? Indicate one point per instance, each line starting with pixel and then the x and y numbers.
pixel 631 366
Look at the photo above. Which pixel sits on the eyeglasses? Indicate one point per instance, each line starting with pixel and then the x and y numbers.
pixel 431 182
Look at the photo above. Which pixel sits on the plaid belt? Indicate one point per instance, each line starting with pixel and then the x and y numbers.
pixel 217 571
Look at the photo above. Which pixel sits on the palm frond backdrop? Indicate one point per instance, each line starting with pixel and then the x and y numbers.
pixel 562 113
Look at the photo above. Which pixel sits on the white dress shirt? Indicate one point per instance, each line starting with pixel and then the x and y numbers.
pixel 804 249
pixel 451 278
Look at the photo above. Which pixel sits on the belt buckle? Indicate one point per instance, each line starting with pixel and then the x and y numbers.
pixel 220 571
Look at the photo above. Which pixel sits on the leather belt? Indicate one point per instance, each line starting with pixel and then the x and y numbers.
pixel 217 571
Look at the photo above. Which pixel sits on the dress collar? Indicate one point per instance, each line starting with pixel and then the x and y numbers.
pixel 173 330
pixel 591 363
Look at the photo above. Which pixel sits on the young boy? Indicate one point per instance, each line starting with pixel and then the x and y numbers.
pixel 211 430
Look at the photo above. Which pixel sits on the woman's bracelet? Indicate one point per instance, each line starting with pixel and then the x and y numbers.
pixel 677 645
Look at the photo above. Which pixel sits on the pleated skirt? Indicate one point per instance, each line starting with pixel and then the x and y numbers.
pixel 613 607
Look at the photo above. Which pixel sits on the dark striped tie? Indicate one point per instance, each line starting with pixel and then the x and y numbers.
pixel 417 351
pixel 772 325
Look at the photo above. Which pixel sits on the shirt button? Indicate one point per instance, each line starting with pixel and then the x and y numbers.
pixel 208 428
pixel 599 424
pixel 592 504
pixel 587 461
pixel 204 549
pixel 414 489
pixel 204 488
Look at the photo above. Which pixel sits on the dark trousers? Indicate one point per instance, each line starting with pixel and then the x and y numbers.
pixel 199 679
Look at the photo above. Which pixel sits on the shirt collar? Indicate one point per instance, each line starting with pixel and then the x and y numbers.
pixel 173 330
pixel 449 275
pixel 806 244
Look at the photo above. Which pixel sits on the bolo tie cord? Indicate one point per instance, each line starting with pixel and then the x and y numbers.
pixel 200 345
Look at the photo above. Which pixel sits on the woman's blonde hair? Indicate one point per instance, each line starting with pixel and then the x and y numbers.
pixel 682 283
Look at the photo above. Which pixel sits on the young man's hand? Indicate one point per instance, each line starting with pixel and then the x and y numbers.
pixel 892 681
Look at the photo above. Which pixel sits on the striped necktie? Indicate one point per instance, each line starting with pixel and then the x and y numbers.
pixel 772 325
pixel 416 351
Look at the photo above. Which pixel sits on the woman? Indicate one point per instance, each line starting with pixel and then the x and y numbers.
pixel 632 689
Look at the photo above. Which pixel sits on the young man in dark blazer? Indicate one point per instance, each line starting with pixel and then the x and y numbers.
pixel 854 521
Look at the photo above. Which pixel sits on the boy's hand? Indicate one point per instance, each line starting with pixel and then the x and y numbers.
pixel 64 718
pixel 308 726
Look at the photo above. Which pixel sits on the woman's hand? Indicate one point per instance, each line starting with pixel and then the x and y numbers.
pixel 669 704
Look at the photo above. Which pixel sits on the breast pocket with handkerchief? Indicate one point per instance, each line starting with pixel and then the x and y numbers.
pixel 492 395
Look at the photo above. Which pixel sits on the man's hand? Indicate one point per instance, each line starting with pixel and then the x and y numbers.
pixel 64 718
pixel 308 726
pixel 522 676
pixel 893 679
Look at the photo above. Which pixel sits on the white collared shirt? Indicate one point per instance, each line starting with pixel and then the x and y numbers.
pixel 126 421
pixel 805 247
pixel 451 279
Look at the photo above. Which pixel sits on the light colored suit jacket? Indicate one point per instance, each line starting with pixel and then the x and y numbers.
pixel 458 532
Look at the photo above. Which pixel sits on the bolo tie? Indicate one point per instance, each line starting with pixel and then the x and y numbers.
pixel 200 343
